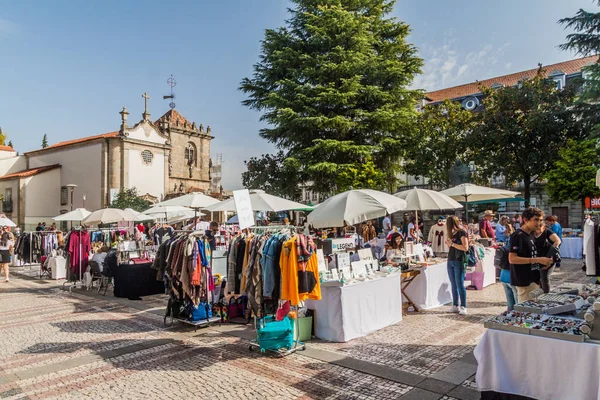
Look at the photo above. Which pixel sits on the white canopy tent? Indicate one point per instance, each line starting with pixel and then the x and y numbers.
pixel 427 200
pixel 108 216
pixel 76 215
pixel 353 207
pixel 468 192
pixel 260 201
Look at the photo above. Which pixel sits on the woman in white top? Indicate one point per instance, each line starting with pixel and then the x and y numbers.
pixel 6 246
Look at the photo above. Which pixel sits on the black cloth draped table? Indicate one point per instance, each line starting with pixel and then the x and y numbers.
pixel 136 280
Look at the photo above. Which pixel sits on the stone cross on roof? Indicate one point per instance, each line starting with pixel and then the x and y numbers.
pixel 146 114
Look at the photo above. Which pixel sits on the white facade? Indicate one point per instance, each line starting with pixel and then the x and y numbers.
pixel 147 177
pixel 81 166
pixel 10 165
pixel 42 194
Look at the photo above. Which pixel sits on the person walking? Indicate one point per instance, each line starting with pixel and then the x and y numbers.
pixel 523 257
pixel 386 225
pixel 554 226
pixel 545 239
pixel 6 246
pixel 458 245
pixel 502 230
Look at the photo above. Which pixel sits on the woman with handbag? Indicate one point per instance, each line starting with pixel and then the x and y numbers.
pixel 6 246
pixel 458 244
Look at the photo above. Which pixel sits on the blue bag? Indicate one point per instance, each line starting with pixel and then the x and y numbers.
pixel 203 311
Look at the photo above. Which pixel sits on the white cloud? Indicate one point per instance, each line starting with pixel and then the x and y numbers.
pixel 445 66
pixel 8 27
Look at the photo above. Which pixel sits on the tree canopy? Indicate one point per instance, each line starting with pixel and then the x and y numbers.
pixel 129 198
pixel 441 140
pixel 45 141
pixel 333 87
pixel 520 132
pixel 270 173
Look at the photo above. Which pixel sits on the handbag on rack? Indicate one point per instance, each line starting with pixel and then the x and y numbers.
pixel 236 310
pixel 202 312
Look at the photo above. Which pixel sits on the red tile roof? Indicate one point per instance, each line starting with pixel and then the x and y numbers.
pixel 6 148
pixel 29 172
pixel 173 117
pixel 568 67
pixel 77 141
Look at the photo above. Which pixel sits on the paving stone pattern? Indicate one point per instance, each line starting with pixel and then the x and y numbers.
pixel 62 345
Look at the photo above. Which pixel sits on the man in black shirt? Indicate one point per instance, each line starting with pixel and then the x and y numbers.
pixel 524 261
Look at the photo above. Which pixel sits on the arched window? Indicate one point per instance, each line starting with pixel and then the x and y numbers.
pixel 190 154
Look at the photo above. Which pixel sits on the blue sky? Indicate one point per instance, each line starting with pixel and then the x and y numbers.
pixel 68 67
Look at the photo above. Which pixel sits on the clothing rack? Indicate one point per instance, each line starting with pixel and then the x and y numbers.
pixel 31 234
pixel 80 250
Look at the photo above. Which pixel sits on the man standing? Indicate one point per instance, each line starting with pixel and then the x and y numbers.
pixel 387 225
pixel 485 225
pixel 524 263
pixel 554 226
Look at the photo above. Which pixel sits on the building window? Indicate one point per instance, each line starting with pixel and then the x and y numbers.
pixel 190 154
pixel 147 157
pixel 64 196
pixel 7 203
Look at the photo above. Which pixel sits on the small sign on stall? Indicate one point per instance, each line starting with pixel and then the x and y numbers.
pixel 359 269
pixel 340 245
pixel 243 206
pixel 365 254
pixel 321 261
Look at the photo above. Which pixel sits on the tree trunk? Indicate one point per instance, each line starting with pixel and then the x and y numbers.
pixel 527 191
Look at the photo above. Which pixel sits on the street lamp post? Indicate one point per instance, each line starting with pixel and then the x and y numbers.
pixel 71 187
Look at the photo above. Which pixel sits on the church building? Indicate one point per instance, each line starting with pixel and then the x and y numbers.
pixel 160 158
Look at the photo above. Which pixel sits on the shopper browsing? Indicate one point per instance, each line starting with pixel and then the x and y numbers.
pixel 545 239
pixel 6 246
pixel 458 244
pixel 554 226
pixel 525 264
pixel 485 225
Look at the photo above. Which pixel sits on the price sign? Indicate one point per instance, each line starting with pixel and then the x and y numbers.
pixel 243 206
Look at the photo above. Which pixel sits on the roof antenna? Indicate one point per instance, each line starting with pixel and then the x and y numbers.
pixel 172 83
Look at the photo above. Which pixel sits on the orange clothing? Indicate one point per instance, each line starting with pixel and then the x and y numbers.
pixel 288 262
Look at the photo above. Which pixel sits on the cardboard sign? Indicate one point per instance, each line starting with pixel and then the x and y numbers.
pixel 321 260
pixel 335 275
pixel 359 269
pixel 343 261
pixel 365 254
pixel 243 206
pixel 340 245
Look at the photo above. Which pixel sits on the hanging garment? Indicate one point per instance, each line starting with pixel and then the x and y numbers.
pixel 437 238
pixel 298 284
pixel 79 248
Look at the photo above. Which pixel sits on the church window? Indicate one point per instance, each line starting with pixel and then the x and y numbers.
pixel 190 154
pixel 64 196
pixel 147 157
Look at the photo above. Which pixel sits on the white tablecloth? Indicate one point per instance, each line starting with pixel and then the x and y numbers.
pixel 431 288
pixel 571 248
pixel 348 312
pixel 538 367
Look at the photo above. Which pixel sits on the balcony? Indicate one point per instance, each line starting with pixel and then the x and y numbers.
pixel 7 206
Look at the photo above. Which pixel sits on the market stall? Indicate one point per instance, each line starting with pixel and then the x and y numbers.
pixel 347 312
pixel 572 247
pixel 537 367
pixel 531 350
pixel 431 288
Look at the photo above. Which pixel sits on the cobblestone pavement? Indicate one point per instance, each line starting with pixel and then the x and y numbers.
pixel 61 345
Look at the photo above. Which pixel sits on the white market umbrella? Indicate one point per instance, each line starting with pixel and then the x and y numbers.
pixel 6 222
pixel 427 200
pixel 191 200
pixel 353 207
pixel 138 216
pixel 260 201
pixel 108 216
pixel 168 211
pixel 76 215
pixel 468 192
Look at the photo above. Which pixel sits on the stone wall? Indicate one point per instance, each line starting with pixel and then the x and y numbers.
pixel 180 169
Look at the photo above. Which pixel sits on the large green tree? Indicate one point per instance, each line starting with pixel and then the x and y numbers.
pixel 129 198
pixel 271 174
pixel 573 176
pixel 520 132
pixel 585 41
pixel 441 140
pixel 333 86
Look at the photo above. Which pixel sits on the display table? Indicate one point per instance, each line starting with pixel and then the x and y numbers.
pixel 572 248
pixel 537 367
pixel 431 288
pixel 136 280
pixel 348 312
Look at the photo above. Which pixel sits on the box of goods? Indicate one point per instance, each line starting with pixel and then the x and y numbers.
pixel 559 328
pixel 531 306
pixel 560 303
pixel 505 324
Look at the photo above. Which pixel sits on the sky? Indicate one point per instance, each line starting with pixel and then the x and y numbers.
pixel 68 67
